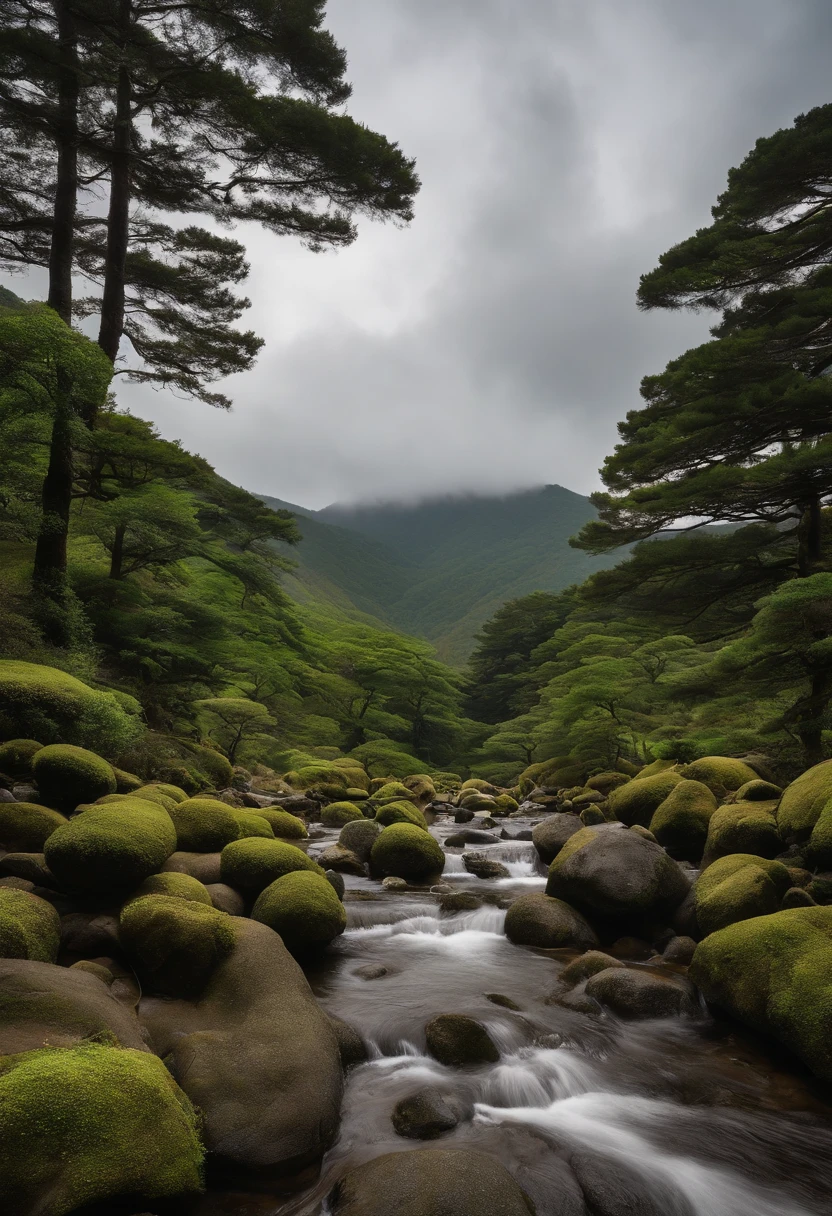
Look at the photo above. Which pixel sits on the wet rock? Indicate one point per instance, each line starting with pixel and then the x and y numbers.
pixel 423 1115
pixel 643 832
pixel 203 866
pixel 524 834
pixel 359 836
pixel 430 1182
pixel 256 801
pixel 24 792
pixel 634 949
pixel 460 901
pixel 820 888
pixel 370 971
pixel 442 888
pixel 296 804
pixel 336 881
pixel 392 883
pixel 611 1188
pixel 463 815
pixel 587 965
pixel 90 934
pixel 6 795
pixel 541 920
pixel 482 866
pixel 470 836
pixel 641 994
pixel 488 822
pixel 551 834
pixel 351 1046
pixel 505 1002
pixel 336 857
pixel 31 866
pixel 680 950
pixel 685 919
pixel 226 899
pixel 456 1040
pixel 591 816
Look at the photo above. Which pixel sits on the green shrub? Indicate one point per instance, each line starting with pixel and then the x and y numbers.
pixel 92 1124
pixel 30 927
pixel 176 885
pixel 252 824
pixel 67 776
pixel 383 757
pixel 802 802
pixel 16 757
pixel 407 851
pixel 338 813
pixel 250 865
pixel 110 849
pixel 638 800
pixel 400 812
pixel 45 703
pixel 24 826
pixel 175 944
pixel 304 909
pixel 737 887
pixel 204 825
pixel 283 824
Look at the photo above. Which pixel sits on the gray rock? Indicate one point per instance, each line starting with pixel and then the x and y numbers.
pixel 540 920
pixel 336 857
pixel 351 1046
pixel 463 816
pixel 587 965
pixel 370 971
pixel 392 883
pixel 470 836
pixel 204 866
pixel 505 1002
pixel 641 994
pixel 6 795
pixel 25 792
pixel 456 1040
pixel 460 901
pixel 679 950
pixel 359 836
pixel 424 1115
pixel 482 866
pixel 336 881
pixel 31 866
pixel 551 834
pixel 90 934
pixel 611 1188
pixel 226 899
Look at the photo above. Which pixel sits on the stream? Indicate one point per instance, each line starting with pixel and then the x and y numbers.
pixel 654 1118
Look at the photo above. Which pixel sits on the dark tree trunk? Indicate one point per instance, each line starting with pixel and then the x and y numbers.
pixel 117 555
pixel 118 216
pixel 49 576
pixel 810 717
pixel 809 536
pixel 66 191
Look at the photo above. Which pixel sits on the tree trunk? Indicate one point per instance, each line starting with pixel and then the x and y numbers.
pixel 66 190
pixel 118 217
pixel 49 576
pixel 809 723
pixel 117 554
pixel 809 547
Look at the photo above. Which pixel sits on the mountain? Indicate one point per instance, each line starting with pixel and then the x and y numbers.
pixel 440 569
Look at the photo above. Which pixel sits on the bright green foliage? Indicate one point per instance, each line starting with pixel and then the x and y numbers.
pixel 204 825
pixel 407 851
pixel 175 944
pixel 283 825
pixel 68 776
pixel 680 823
pixel 304 909
pixel 250 865
pixel 24 826
pixel 775 974
pixel 803 801
pixel 231 720
pixel 110 849
pixel 338 813
pixel 53 705
pixel 719 773
pixel 91 1124
pixel 16 757
pixel 29 926
pixel 743 827
pixel 400 812
pixel 252 824
pixel 737 887
pixel 638 801
pixel 178 886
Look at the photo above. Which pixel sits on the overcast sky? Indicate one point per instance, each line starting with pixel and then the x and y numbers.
pixel 493 344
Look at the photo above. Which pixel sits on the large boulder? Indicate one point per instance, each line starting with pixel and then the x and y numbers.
pixel 743 827
pixel 820 842
pixel 304 909
pixel 638 800
pixel 178 886
pixel 68 776
pixel 551 834
pixel 16 758
pixel 406 851
pixel 617 878
pixel 24 826
pixel 720 773
pixel 338 813
pixel 109 850
pixel 359 837
pixel 430 1182
pixel 456 1040
pixel 94 1125
pixel 642 994
pixel 205 867
pixel 803 801
pixel 257 1056
pixel 175 944
pixel 30 928
pixel 541 920
pixel 250 865
pixel 680 823
pixel 283 825
pixel 424 1115
pixel 737 887
pixel 204 825
pixel 775 974
pixel 400 812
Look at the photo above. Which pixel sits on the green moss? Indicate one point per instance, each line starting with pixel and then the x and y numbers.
pixel 476 783
pixel 604 783
pixel 178 886
pixel 204 825
pixel 175 944
pixel 304 909
pixel 406 851
pixel 719 772
pixel 540 920
pixel 563 776
pixel 169 791
pixel 44 703
pixel 110 849
pixel 505 802
pixel 250 865
pixel 126 783
pixel 652 770
pixel 16 757
pixel 155 793
pixel 393 791
pixel 29 927
pixel 318 774
pixel 92 1124
pixel 737 887
pixel 24 826
pixel 743 827
pixel 214 766
pixel 284 825
pixel 475 801
pixel 638 801
pixel 252 824
pixel 338 813
pixel 820 842
pixel 421 787
pixel 401 812
pixel 359 836
pixel 67 776
pixel 803 801
pixel 680 823
pixel 775 974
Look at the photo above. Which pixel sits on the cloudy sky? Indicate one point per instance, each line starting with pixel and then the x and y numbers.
pixel 493 345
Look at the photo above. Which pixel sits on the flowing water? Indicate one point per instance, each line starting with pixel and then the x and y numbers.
pixel 659 1118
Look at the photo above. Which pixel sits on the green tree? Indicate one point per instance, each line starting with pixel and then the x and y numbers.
pixel 233 721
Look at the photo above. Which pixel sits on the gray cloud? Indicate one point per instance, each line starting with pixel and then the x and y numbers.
pixel 495 343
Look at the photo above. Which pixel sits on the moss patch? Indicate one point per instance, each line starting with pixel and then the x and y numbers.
pixel 174 943
pixel 401 812
pixel 110 849
pixel 176 885
pixel 250 865
pixel 30 927
pixel 16 757
pixel 284 825
pixel 743 827
pixel 406 851
pixel 338 813
pixel 803 801
pixel 24 826
pixel 304 909
pixel 720 772
pixel 67 776
pixel 204 825
pixel 252 824
pixel 737 887
pixel 639 800
pixel 680 823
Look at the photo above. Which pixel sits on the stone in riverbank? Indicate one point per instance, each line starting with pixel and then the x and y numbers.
pixel 737 887
pixel 30 928
pixel 457 1040
pixel 405 851
pixel 551 834
pixel 541 920
pixel 632 993
pixel 424 1115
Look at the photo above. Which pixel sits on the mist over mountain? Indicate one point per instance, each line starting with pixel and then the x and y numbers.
pixel 440 568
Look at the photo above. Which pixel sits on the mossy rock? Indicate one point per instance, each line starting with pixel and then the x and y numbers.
pixel 551 834
pixel 30 928
pixel 656 767
pixel 354 794
pixel 719 772
pixel 304 909
pixel 177 886
pixel 108 849
pixel 564 777
pixel 802 802
pixel 421 787
pixel 540 920
pixel 775 974
pixel 639 799
pixel 175 944
pixel 506 804
pixel 738 887
pixel 475 801
pixel 406 851
pixel 214 765
pixel 312 775
pixel 69 775
pixel 16 757
pixel 94 1125
pixel 605 783
pixel 401 812
pixel 393 791
pixel 819 852
pixel 40 702
pixel 157 794
pixel 283 825
pixel 168 790
pixel 252 824
pixel 477 784
pixel 743 827
pixel 680 823
pixel 127 783
pixel 359 836
pixel 24 826
pixel 338 813
pixel 250 865
pixel 204 825
pixel 758 791
pixel 456 1040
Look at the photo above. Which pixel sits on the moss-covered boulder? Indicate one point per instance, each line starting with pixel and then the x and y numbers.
pixel 393 791
pixel 541 920
pixel 605 783
pixel 24 826
pixel 175 944
pixel 737 887
pixel 167 790
pixel 204 825
pixel 456 1040
pixel 478 802
pixel 819 852
pixel 551 834
pixel 251 865
pixel 743 827
pixel 126 783
pixel 802 802
pixel 150 793
pixel 252 824
pixel 67 776
pixel 421 787
pixel 479 785
pixel 775 974
pixel 16 757
pixel 719 772
pixel 617 878
pixel 633 994
pixel 505 804
pixel 359 837
pixel 758 791
pixel 110 850
pixel 283 825
pixel 30 927
pixel 44 703
pixel 400 812
pixel 406 851
pixel 338 813
pixel 304 909
pixel 638 800
pixel 680 823
pixel 94 1124
pixel 178 886
pixel 589 964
